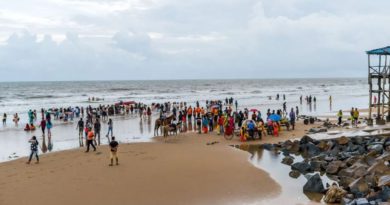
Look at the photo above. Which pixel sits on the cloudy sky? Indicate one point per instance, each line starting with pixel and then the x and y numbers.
pixel 188 39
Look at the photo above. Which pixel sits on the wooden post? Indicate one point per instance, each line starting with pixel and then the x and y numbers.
pixel 379 115
pixel 387 80
pixel 370 91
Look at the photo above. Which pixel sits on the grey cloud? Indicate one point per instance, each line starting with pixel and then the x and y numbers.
pixel 201 39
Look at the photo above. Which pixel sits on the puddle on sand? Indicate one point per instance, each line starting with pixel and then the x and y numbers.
pixel 292 189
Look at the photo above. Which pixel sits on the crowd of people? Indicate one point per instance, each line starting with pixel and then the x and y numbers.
pixel 225 118
pixel 221 116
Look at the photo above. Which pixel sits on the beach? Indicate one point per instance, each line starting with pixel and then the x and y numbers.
pixel 23 96
pixel 194 103
pixel 187 168
pixel 181 170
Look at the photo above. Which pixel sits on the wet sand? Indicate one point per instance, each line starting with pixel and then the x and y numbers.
pixel 65 135
pixel 183 170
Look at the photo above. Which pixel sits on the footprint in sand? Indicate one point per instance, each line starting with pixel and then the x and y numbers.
pixel 149 158
pixel 12 175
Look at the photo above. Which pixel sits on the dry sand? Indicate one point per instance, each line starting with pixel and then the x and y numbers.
pixel 183 170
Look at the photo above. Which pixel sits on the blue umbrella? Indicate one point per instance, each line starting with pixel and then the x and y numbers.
pixel 274 117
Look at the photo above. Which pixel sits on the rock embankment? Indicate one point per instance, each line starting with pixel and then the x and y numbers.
pixel 359 165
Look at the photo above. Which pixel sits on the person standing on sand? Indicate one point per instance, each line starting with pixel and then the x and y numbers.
pixel 49 125
pixel 356 117
pixel 292 118
pixel 351 113
pixel 205 124
pixel 296 112
pixel 251 129
pixel 16 119
pixel 340 117
pixel 43 126
pixel 4 119
pixel 110 127
pixel 80 126
pixel 221 124
pixel 199 123
pixel 189 114
pixel 113 151
pixel 90 138
pixel 34 149
pixel 97 129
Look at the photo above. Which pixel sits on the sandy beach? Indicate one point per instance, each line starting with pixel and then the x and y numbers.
pixel 163 78
pixel 183 170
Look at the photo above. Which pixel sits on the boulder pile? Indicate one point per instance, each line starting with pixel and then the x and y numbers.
pixel 359 165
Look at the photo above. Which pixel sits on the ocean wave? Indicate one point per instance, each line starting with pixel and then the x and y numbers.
pixel 256 92
pixel 41 96
pixel 229 93
pixel 120 89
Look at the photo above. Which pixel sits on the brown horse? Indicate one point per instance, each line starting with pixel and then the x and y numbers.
pixel 159 122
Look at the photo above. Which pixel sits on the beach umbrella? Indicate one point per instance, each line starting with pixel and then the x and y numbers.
pixel 274 117
pixel 253 110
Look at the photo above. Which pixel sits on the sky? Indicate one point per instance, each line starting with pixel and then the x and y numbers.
pixel 53 40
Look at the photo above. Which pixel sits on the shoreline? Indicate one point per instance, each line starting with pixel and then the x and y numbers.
pixel 144 170
pixel 182 169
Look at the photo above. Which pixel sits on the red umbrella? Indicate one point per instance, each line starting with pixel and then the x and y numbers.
pixel 253 110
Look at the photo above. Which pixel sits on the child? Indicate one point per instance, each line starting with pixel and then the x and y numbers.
pixel 34 149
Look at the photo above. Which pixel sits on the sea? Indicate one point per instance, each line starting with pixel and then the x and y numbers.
pixel 19 97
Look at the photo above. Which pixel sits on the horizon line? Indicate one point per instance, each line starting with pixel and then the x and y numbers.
pixel 183 79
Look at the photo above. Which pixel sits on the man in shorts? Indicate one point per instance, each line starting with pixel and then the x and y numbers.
pixel 113 151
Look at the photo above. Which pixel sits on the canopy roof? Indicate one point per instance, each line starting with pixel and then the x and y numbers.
pixel 380 51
